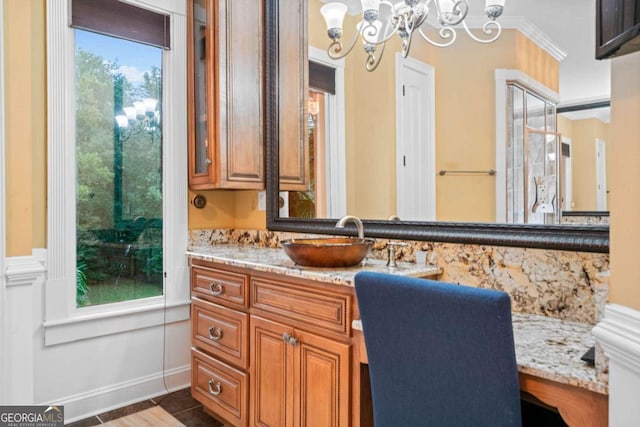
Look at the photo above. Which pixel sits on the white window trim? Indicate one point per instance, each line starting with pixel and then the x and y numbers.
pixel 336 156
pixel 63 321
pixel 502 76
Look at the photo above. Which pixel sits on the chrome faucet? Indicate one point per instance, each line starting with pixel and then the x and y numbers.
pixel 355 220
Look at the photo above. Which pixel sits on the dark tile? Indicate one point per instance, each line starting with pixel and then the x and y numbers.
pixel 178 401
pixel 196 417
pixel 87 422
pixel 127 410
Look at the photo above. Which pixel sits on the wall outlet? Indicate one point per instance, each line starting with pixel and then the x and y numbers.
pixel 262 200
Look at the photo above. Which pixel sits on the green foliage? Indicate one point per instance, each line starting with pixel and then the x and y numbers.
pixel 101 92
pixel 82 289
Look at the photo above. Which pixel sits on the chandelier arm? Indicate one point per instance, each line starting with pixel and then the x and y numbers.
pixel 491 28
pixel 445 33
pixel 336 47
pixel 372 62
pixel 460 6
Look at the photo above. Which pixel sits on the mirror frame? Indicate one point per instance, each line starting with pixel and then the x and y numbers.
pixel 559 237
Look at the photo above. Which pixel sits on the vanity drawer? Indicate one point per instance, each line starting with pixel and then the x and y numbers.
pixel 220 331
pixel 220 388
pixel 320 311
pixel 220 286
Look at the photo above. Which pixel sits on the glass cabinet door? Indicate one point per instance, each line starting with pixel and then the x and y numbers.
pixel 532 153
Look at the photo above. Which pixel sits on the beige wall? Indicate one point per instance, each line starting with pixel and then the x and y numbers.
pixel 625 176
pixel 26 114
pixel 583 134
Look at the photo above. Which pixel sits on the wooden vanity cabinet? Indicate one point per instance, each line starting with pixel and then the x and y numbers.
pixel 225 95
pixel 300 354
pixel 281 357
pixel 220 341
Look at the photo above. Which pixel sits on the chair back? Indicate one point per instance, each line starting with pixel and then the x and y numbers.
pixel 439 354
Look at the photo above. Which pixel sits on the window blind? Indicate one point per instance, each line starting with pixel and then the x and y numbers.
pixel 119 19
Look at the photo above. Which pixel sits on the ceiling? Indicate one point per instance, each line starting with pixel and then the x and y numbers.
pixel 570 26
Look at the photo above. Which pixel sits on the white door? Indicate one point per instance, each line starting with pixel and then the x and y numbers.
pixel 601 175
pixel 415 140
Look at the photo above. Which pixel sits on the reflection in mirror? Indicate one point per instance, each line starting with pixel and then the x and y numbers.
pixel 423 138
pixel 585 145
pixel 383 144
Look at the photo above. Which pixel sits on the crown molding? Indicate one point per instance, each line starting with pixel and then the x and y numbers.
pixel 526 27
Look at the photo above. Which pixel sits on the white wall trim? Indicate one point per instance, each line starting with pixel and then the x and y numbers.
pixel 619 335
pixel 23 271
pixel 502 76
pixel 24 274
pixel 114 322
pixel 94 402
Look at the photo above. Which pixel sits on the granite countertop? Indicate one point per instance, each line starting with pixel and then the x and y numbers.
pixel 551 348
pixel 276 261
pixel 546 347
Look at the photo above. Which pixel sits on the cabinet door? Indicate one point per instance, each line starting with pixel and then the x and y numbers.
pixel 226 147
pixel 292 97
pixel 322 381
pixel 271 374
pixel 200 88
pixel 240 93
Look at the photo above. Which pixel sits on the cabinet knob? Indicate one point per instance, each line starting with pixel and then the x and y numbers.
pixel 216 288
pixel 214 333
pixel 215 388
pixel 289 339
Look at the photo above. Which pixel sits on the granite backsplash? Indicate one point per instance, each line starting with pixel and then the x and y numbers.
pixel 560 284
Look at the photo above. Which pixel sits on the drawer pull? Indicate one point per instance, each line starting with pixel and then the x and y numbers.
pixel 289 339
pixel 215 389
pixel 216 289
pixel 214 333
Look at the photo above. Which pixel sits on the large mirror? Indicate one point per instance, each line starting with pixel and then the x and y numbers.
pixel 459 182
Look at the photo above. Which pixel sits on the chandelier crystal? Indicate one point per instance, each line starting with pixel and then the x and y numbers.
pixel 382 19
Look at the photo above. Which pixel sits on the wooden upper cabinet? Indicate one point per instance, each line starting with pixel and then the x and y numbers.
pixel 293 71
pixel 225 107
pixel 617 27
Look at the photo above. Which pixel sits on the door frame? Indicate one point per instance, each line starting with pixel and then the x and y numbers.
pixel 335 161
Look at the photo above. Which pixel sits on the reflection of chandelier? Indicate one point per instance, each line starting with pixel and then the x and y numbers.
pixel 382 19
pixel 143 116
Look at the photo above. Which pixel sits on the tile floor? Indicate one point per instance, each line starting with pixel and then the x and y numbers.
pixel 179 404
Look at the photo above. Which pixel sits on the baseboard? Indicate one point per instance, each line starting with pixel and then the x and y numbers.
pixel 95 402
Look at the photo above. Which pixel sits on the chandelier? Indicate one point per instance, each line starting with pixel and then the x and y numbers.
pixel 382 19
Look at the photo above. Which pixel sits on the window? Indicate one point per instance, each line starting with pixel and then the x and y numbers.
pixel 84 137
pixel 118 85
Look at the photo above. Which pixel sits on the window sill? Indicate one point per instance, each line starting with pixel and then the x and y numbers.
pixel 128 319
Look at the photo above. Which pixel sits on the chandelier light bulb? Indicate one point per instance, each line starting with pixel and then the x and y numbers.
pixel 333 14
pixel 149 104
pixel 130 112
pixel 370 10
pixel 122 121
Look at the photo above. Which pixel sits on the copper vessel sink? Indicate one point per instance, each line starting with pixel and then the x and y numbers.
pixel 329 252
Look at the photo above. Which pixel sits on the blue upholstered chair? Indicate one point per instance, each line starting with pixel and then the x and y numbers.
pixel 439 354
